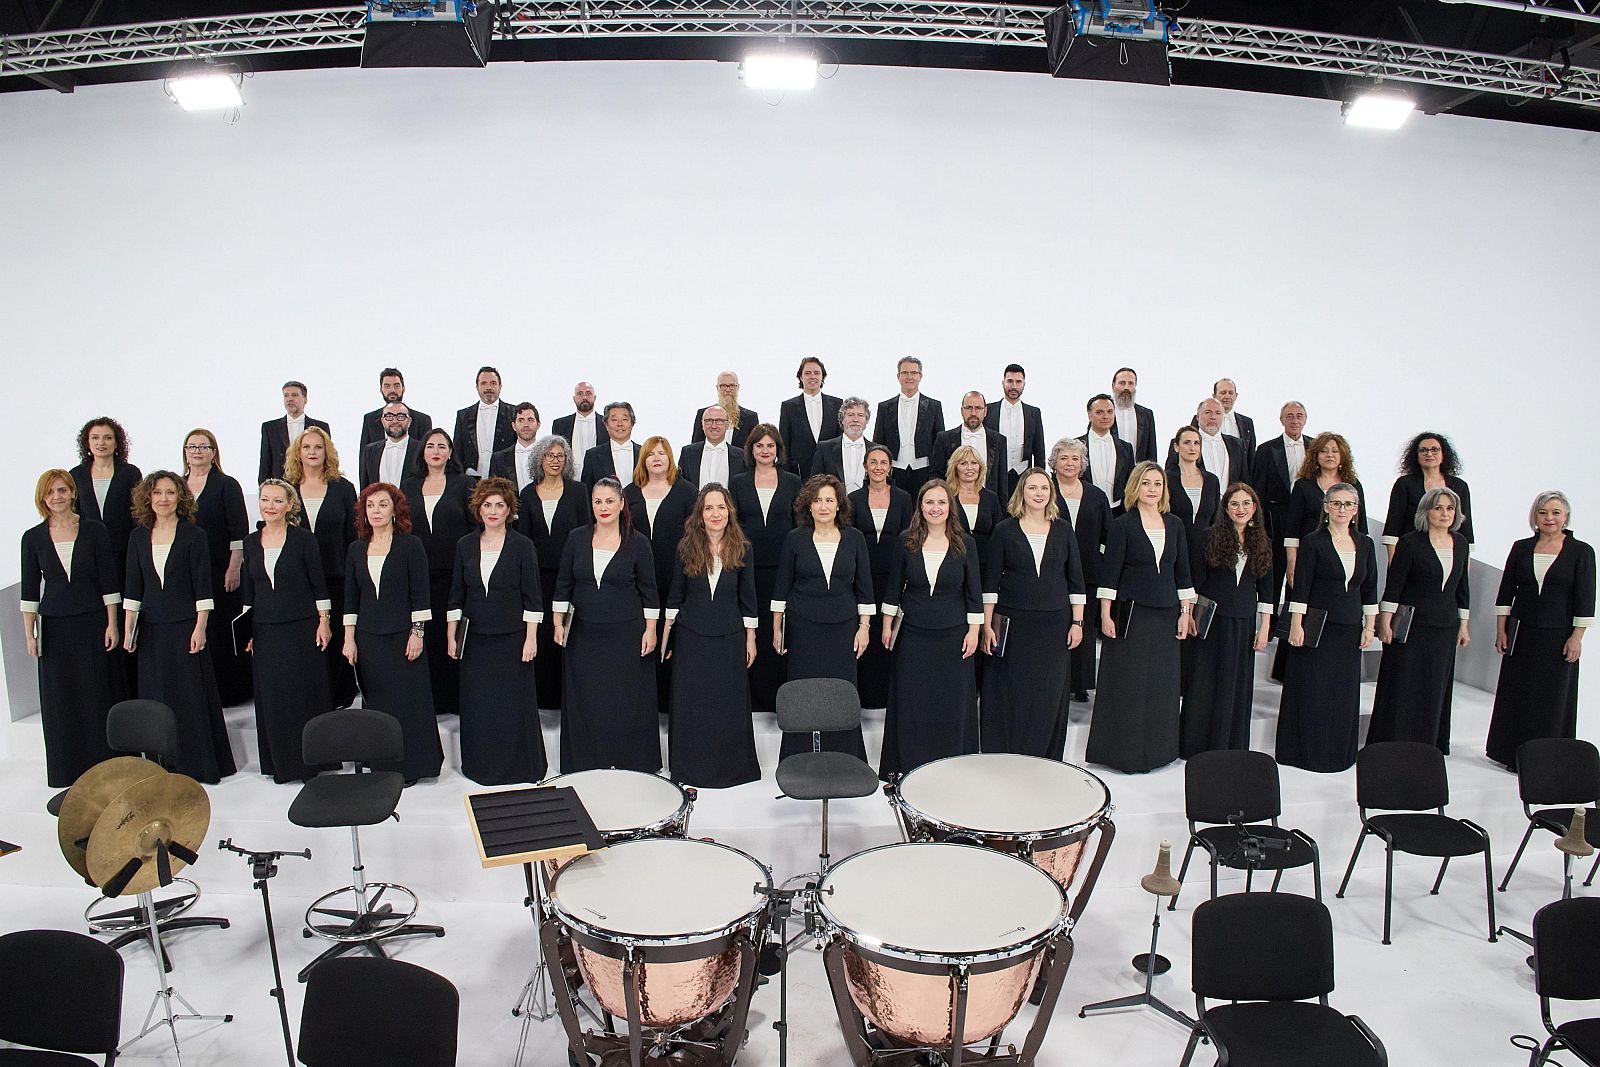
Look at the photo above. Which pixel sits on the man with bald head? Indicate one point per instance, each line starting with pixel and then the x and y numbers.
pixel 988 443
pixel 743 419
pixel 582 430
pixel 1219 454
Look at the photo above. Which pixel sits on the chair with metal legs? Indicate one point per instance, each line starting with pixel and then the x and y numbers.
pixel 61 991
pixel 1554 776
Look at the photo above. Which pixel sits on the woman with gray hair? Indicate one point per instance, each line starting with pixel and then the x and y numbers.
pixel 548 509
pixel 1545 604
pixel 1428 576
pixel 1088 511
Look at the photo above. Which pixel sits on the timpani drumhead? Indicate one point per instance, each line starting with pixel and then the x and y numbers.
pixel 660 888
pixel 619 801
pixel 1004 793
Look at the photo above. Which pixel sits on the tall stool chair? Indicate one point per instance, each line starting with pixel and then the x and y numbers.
pixel 60 991
pixel 365 797
pixel 364 1011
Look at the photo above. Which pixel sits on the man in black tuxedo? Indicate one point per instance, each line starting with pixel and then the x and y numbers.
pixel 713 459
pixel 1235 423
pixel 276 434
pixel 845 456
pixel 1273 470
pixel 1134 423
pixel 986 442
pixel 1219 454
pixel 618 454
pixel 398 456
pixel 484 428
pixel 1022 425
pixel 907 425
pixel 728 399
pixel 392 385
pixel 1109 463
pixel 805 421
pixel 513 463
pixel 581 430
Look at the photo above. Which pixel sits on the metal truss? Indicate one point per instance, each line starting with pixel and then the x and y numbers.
pixel 1576 10
pixel 934 21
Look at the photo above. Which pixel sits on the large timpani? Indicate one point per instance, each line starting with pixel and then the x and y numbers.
pixel 627 804
pixel 1040 810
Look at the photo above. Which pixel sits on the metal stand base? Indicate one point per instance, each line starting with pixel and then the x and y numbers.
pixel 165 994
pixel 367 922
pixel 131 926
pixel 1147 999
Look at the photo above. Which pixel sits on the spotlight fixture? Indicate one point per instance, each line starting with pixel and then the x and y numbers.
pixel 782 68
pixel 207 88
pixel 1379 108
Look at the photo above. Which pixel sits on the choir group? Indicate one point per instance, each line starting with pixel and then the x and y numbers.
pixel 972 580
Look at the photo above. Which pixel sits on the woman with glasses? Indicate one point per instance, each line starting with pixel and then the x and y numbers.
pixel 219 511
pixel 1429 463
pixel 551 507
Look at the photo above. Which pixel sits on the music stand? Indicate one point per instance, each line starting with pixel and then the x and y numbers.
pixel 1158 883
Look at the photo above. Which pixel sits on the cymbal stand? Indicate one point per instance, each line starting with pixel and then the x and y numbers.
pixel 263 866
pixel 165 993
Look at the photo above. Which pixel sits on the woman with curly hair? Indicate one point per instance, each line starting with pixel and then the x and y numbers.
pixel 1429 463
pixel 219 511
pixel 1328 463
pixel 551 507
pixel 328 510
pixel 105 481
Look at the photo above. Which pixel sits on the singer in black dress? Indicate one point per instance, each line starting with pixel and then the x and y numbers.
pixel 711 642
pixel 166 596
pixel 1328 462
pixel 283 588
pixel 1549 589
pixel 495 596
pixel 552 506
pixel 219 511
pixel 105 481
pixel 822 602
pixel 329 503
pixel 881 510
pixel 1033 581
pixel 1429 574
pixel 70 592
pixel 763 496
pixel 1196 497
pixel 440 516
pixel 386 607
pixel 1085 508
pixel 659 502
pixel 1429 463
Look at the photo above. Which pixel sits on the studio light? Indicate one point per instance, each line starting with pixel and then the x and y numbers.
pixel 207 89
pixel 779 68
pixel 1379 108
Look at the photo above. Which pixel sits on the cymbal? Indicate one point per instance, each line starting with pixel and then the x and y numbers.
pixel 173 809
pixel 89 796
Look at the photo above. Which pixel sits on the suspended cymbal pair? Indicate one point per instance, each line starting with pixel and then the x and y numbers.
pixel 127 825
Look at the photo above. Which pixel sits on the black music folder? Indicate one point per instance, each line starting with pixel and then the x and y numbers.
pixel 530 823
pixel 1205 613
pixel 1400 622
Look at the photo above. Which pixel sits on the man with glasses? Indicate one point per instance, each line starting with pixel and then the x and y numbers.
pixel 398 455
pixel 392 386
pixel 973 433
pixel 712 459
pixel 907 424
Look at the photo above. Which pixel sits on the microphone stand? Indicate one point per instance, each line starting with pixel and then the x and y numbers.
pixel 263 866
pixel 774 958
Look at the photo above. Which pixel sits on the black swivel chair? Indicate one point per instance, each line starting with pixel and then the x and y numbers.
pixel 1408 778
pixel 364 798
pixel 817 706
pixel 378 1011
pixel 1565 935
pixel 1557 771
pixel 1238 794
pixel 61 991
pixel 1270 953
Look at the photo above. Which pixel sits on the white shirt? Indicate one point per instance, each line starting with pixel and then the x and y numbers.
pixel 486 562
pixel 1127 425
pixel 1158 541
pixel 1447 562
pixel 1230 425
pixel 392 461
pixel 102 486
pixel 313 507
pixel 521 463
pixel 64 554
pixel 826 551
pixel 813 413
pixel 977 440
pixel 375 569
pixel 853 456
pixel 765 496
pixel 879 516
pixel 622 459
pixel 159 554
pixel 583 439
pixel 1103 464
pixel 1295 452
pixel 932 560
pixel 269 559
pixel 651 506
pixel 549 509
pixel 714 464
pixel 1194 498
pixel 602 560
pixel 488 415
pixel 1011 430
pixel 908 434
pixel 1347 560
pixel 1073 504
pixel 1541 567
pixel 295 426
pixel 1214 455
pixel 972 513
pixel 428 504
pixel 712 576
pixel 1036 542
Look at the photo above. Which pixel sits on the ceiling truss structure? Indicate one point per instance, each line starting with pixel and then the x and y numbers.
pixel 933 21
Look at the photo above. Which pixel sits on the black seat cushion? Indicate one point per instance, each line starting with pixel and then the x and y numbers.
pixel 1276 1033
pixel 1583 1035
pixel 825 776
pixel 1560 819
pixel 27 1057
pixel 1424 833
pixel 347 799
pixel 1223 842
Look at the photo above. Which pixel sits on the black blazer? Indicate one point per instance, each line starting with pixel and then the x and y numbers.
pixel 1196 522
pixel 1238 596
pixel 765 531
pixel 403 597
pixel 219 511
pixel 513 592
pixel 1416 578
pixel 503 464
pixel 1238 461
pixel 957 598
pixel 297 588
pixel 1568 585
pixel 802 589
pixel 466 436
pixel 597 463
pixel 1119 479
pixel 1011 575
pixel 1305 509
pixel 665 533
pixel 1319 580
pixel 1033 450
pixel 275 444
pixel 727 611
pixel 1407 494
pixel 452 519
pixel 1247 437
pixel 880 543
pixel 625 591
pixel 1273 482
pixel 572 511
pixel 563 427
pixel 994 477
pixel 930 424
pixel 95 580
pixel 1130 570
pixel 795 429
pixel 1146 421
pixel 689 462
pixel 118 514
pixel 372 461
pixel 335 529
pixel 185 587
pixel 372 426
pixel 1094 513
pixel 829 458
pixel 748 420
pixel 989 514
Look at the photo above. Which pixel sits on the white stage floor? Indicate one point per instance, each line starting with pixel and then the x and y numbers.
pixel 1441 994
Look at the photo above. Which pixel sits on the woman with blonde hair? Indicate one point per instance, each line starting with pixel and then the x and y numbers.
pixel 328 510
pixel 659 502
pixel 980 508
pixel 1084 506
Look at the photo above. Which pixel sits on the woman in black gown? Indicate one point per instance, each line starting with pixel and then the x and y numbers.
pixel 822 602
pixel 1428 574
pixel 496 599
pixel 606 604
pixel 105 481
pixel 1195 495
pixel 219 511
pixel 711 642
pixel 1034 582
pixel 283 587
pixel 933 610
pixel 1548 589
pixel 1328 462
pixel 386 609
pixel 763 497
pixel 440 515
pixel 166 596
pixel 881 510
pixel 1237 576
pixel 980 509
pixel 552 506
pixel 659 503
pixel 1085 508
pixel 1429 463
pixel 1335 571
pixel 70 592
pixel 328 503
pixel 1145 598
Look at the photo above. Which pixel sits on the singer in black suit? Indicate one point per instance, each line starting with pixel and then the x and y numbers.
pixel 994 459
pixel 1124 388
pixel 881 510
pixel 601 460
pixel 1273 477
pixel 441 515
pixel 829 458
pixel 551 507
pixel 1004 416
pixel 1085 508
pixel 728 397
pixel 800 436
pixel 329 503
pixel 929 424
pixel 470 450
pixel 392 387
pixel 689 457
pixel 275 432
pixel 504 463
pixel 1225 392
pixel 763 498
pixel 1429 463
pixel 372 460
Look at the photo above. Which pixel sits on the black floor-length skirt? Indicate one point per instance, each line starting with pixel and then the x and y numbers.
pixel 444 673
pixel 1135 723
pixel 1415 684
pixel 1083 666
pixel 768 672
pixel 184 683
pixel 933 701
pixel 232 669
pixel 291 689
pixel 1320 713
pixel 547 664
pixel 608 706
pixel 392 684
pixel 77 686
pixel 341 676
pixel 711 741
pixel 1025 691
pixel 501 742
pixel 1216 706
pixel 822 650
pixel 873 668
pixel 1537 695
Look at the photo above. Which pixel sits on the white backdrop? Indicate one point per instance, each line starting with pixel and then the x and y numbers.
pixel 645 225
